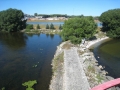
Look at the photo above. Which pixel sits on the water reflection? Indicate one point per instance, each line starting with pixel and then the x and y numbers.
pixel 17 65
pixel 31 34
pixel 13 40
pixel 52 36
pixel 109 56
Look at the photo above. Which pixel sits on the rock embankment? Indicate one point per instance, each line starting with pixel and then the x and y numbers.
pixel 71 72
pixel 68 74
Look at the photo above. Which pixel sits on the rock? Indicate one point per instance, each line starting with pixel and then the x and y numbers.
pixel 117 88
pixel 109 78
pixel 100 67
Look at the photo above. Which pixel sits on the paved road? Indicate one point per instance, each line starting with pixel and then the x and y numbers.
pixel 74 76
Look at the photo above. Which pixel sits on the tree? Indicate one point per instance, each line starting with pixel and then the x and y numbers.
pixel 47 26
pixel 52 26
pixel 12 20
pixel 38 26
pixel 29 26
pixel 111 23
pixel 35 14
pixel 60 27
pixel 75 29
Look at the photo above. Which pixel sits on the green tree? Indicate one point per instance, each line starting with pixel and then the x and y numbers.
pixel 38 26
pixel 52 26
pixel 60 27
pixel 29 26
pixel 76 29
pixel 12 20
pixel 47 26
pixel 35 14
pixel 111 22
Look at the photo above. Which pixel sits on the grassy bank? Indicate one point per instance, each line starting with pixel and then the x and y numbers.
pixel 44 27
pixel 33 29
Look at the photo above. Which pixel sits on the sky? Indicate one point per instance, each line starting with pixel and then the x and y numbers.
pixel 69 7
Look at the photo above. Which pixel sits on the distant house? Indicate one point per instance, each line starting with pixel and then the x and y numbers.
pixel 52 18
pixel 49 18
pixel 38 17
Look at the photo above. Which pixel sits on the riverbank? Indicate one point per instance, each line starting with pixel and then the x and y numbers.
pixel 95 73
pixel 45 31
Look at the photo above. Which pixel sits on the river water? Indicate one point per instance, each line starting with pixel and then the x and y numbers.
pixel 108 54
pixel 55 23
pixel 45 23
pixel 25 57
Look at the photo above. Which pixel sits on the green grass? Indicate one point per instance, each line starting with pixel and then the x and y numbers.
pixel 91 69
pixel 57 62
pixel 99 78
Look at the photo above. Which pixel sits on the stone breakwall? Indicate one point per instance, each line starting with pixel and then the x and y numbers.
pixel 94 72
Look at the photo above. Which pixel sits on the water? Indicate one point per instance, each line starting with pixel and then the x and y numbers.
pixel 55 23
pixel 99 24
pixel 109 53
pixel 45 23
pixel 19 53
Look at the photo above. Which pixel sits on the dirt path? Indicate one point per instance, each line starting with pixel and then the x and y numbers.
pixel 74 76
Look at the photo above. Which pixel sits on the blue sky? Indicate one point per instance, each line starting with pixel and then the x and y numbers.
pixel 69 7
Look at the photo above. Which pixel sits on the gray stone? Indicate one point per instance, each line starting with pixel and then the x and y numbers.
pixel 74 75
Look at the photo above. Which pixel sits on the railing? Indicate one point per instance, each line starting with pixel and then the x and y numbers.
pixel 107 85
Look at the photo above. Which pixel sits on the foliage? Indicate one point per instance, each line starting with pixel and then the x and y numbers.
pixel 35 14
pixel 111 23
pixel 3 88
pixel 99 78
pixel 76 29
pixel 47 26
pixel 29 26
pixel 29 84
pixel 60 27
pixel 52 26
pixel 38 26
pixel 12 20
pixel 52 15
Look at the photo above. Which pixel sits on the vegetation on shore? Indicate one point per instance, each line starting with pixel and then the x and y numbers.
pixel 12 20
pixel 48 29
pixel 76 29
pixel 111 23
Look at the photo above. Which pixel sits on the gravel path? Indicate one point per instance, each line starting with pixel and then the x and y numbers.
pixel 74 76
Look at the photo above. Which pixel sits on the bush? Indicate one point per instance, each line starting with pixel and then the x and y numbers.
pixel 60 27
pixel 111 23
pixel 29 26
pixel 38 26
pixel 12 20
pixel 47 26
pixel 76 29
pixel 52 26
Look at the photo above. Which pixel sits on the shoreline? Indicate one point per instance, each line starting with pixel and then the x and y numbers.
pixel 95 41
pixel 94 72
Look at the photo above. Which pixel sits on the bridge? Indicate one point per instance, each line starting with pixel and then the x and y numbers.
pixel 107 85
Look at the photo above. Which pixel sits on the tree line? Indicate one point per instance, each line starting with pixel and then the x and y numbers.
pixel 51 15
pixel 51 26
pixel 74 29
